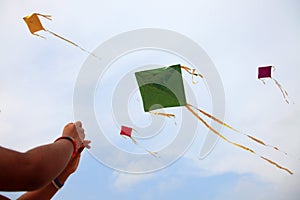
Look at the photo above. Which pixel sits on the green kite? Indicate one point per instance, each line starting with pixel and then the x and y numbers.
pixel 164 88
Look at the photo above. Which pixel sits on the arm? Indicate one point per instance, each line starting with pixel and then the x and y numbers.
pixel 49 191
pixel 37 167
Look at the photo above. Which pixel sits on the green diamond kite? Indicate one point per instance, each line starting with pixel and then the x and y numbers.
pixel 163 88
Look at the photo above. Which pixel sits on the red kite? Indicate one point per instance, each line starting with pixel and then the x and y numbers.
pixel 127 132
pixel 266 72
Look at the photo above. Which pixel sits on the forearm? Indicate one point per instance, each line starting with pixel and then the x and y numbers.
pixel 35 168
pixel 45 193
pixel 52 158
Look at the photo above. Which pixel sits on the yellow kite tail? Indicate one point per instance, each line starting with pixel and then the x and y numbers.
pixel 153 153
pixel 70 42
pixel 189 107
pixel 49 17
pixel 39 35
pixel 283 91
pixel 163 114
pixel 214 118
pixel 280 167
pixel 249 136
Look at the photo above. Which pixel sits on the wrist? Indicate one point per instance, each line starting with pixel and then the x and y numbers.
pixel 63 177
pixel 57 183
pixel 70 139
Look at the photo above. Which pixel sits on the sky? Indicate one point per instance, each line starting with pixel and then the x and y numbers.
pixel 38 78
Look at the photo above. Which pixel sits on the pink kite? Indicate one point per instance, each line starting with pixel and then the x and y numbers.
pixel 127 132
pixel 266 72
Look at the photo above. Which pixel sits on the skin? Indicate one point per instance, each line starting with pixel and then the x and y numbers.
pixel 49 190
pixel 35 169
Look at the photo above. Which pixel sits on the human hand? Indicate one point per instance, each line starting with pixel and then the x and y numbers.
pixel 75 131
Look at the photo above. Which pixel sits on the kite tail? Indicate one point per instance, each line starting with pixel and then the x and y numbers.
pixel 76 45
pixel 283 91
pixel 280 167
pixel 189 107
pixel 153 153
pixel 192 72
pixel 49 17
pixel 213 118
pixel 163 114
pixel 263 81
pixel 249 136
pixel 39 35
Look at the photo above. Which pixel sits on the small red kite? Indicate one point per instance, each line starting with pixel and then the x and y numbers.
pixel 127 132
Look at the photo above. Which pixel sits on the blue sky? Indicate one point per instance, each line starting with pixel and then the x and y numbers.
pixel 38 76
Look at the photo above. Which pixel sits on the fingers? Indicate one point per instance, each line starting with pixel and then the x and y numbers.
pixel 69 124
pixel 78 124
pixel 86 143
pixel 80 130
pixel 76 131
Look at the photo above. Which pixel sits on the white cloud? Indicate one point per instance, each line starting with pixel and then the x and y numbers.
pixel 169 184
pixel 124 182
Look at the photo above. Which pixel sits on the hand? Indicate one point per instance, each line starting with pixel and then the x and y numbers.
pixel 76 131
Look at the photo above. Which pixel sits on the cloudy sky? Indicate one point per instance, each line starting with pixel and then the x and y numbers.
pixel 38 78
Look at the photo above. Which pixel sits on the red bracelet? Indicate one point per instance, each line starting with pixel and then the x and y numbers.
pixel 71 140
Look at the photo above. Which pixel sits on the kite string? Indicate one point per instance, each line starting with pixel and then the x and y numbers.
pixel 237 131
pixel 189 107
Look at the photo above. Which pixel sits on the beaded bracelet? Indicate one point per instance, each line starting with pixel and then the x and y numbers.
pixel 71 140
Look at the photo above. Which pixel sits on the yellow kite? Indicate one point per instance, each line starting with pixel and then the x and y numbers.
pixel 34 24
